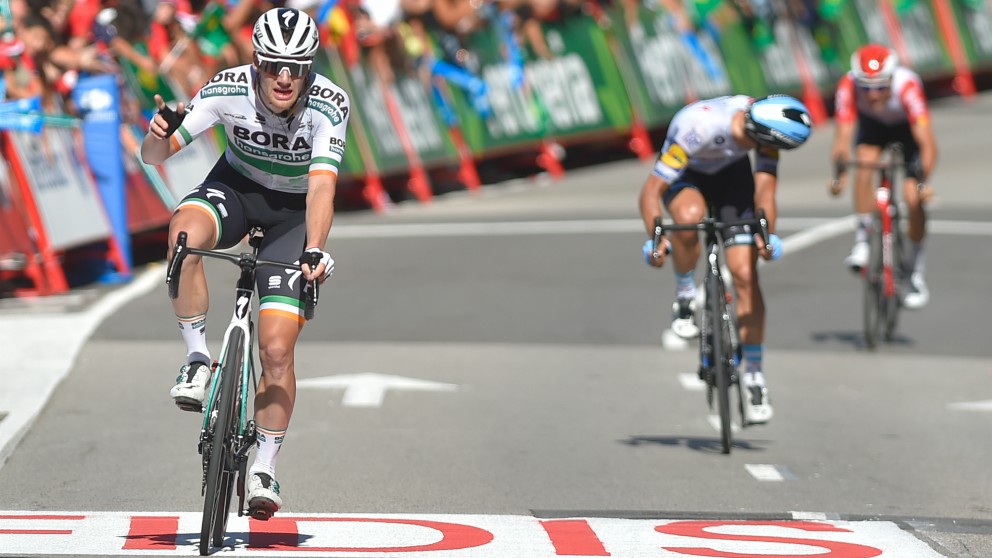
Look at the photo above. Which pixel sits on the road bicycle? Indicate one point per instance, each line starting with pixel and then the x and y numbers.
pixel 719 343
pixel 887 269
pixel 228 434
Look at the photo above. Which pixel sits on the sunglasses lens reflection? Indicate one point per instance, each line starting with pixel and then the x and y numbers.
pixel 275 67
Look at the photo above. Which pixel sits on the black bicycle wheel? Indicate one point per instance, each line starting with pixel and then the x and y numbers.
pixel 217 498
pixel 717 303
pixel 735 361
pixel 874 303
pixel 893 304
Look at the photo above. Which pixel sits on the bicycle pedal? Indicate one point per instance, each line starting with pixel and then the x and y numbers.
pixel 261 513
pixel 189 405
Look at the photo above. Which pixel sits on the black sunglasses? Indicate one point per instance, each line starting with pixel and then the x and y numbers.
pixel 875 87
pixel 276 66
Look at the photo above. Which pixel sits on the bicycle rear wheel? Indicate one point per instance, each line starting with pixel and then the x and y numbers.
pixel 874 297
pixel 220 471
pixel 721 355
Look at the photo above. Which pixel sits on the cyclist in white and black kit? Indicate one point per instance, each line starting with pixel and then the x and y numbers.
pixel 704 166
pixel 285 128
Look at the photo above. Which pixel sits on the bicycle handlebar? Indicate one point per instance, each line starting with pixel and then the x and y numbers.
pixel 841 166
pixel 244 260
pixel 711 224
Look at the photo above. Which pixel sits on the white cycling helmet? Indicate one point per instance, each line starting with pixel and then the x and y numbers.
pixel 778 121
pixel 874 65
pixel 285 33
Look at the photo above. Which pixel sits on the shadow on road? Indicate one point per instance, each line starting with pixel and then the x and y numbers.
pixel 856 339
pixel 705 445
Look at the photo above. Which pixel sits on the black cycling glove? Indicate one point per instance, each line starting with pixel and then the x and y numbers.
pixel 172 118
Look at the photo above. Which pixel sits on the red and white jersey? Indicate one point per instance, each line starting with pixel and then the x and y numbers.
pixel 908 102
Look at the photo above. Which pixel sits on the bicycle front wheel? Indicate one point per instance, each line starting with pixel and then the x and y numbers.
pixel 894 303
pixel 874 297
pixel 220 471
pixel 721 356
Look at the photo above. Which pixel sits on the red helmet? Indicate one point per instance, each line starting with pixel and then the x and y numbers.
pixel 873 65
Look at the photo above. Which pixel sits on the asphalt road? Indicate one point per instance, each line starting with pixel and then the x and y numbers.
pixel 531 310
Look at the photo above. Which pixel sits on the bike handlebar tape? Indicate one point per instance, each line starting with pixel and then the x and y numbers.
pixel 776 245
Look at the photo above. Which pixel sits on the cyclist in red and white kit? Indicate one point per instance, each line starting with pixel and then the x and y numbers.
pixel 887 104
pixel 285 127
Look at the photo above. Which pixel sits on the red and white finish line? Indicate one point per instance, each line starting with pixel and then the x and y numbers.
pixel 451 536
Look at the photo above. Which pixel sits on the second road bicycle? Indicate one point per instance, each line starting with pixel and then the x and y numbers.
pixel 888 268
pixel 719 344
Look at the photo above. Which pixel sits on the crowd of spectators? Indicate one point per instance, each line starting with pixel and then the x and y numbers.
pixel 173 46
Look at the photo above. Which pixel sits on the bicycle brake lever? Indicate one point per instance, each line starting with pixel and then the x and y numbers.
pixel 659 231
pixel 312 291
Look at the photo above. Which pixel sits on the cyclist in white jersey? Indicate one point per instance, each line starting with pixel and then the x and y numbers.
pixel 285 128
pixel 704 166
pixel 885 103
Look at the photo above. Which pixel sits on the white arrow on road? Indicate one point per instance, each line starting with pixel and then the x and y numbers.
pixel 367 389
pixel 972 406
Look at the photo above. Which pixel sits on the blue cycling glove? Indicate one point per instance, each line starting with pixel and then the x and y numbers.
pixel 775 243
pixel 647 249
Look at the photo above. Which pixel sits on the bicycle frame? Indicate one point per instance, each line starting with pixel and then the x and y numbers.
pixel 240 319
pixel 888 219
pixel 884 271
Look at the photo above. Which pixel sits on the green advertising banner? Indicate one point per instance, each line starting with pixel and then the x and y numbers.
pixel 577 92
pixel 921 37
pixel 840 32
pixel 636 62
pixel 663 67
pixel 974 20
pixel 417 112
pixel 370 116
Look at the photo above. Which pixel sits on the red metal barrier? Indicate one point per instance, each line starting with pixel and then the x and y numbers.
pixel 54 277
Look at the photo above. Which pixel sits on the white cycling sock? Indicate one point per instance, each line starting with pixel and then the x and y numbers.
pixel 756 378
pixel 267 450
pixel 194 332
pixel 918 266
pixel 685 284
pixel 864 223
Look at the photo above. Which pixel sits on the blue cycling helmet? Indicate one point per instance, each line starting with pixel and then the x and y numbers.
pixel 778 121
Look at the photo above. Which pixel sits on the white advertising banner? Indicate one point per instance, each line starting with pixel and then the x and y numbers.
pixel 68 201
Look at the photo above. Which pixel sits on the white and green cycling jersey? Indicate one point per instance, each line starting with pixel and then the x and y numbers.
pixel 277 152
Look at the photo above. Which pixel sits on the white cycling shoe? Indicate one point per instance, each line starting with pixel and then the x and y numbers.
pixel 263 496
pixel 191 387
pixel 757 405
pixel 858 258
pixel 917 295
pixel 684 318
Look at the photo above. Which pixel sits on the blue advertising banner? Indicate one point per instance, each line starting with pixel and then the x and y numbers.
pixel 98 100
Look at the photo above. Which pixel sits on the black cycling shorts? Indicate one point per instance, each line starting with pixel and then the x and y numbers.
pixel 729 195
pixel 236 204
pixel 873 132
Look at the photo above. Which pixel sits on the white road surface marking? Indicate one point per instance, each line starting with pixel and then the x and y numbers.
pixel 765 473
